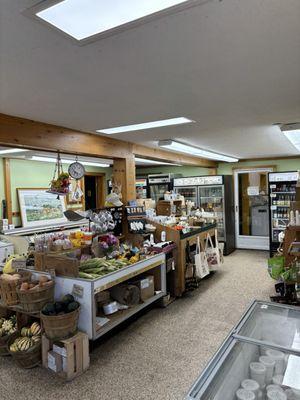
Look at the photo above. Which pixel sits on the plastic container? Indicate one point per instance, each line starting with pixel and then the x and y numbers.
pixel 276 394
pixel 258 373
pixel 278 357
pixel 269 363
pixel 243 394
pixel 250 384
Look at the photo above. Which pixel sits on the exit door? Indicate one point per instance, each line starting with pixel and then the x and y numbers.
pixel 252 208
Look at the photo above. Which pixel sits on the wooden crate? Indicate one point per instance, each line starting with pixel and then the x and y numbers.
pixel 77 355
pixel 61 264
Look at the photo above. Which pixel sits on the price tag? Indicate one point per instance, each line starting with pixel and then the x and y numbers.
pixel 273 207
pixel 273 186
pixel 273 195
pixel 78 290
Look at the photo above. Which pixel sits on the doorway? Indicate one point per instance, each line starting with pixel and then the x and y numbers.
pixel 252 208
pixel 94 190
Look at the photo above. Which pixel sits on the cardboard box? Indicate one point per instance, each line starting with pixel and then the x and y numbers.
pixel 59 350
pixel 55 362
pixel 146 286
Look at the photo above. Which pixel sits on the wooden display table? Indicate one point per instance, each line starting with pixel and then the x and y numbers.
pixel 181 239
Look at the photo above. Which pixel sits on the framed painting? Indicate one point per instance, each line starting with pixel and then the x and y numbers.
pixel 37 207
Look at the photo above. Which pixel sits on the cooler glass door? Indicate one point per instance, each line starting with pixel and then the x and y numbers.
pixel 189 193
pixel 157 191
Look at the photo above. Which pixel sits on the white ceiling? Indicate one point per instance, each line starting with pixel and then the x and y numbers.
pixel 233 66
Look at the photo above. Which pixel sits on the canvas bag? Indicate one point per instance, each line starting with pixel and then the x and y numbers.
pixel 213 253
pixel 201 265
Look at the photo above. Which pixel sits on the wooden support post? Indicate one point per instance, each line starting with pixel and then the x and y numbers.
pixel 7 189
pixel 124 173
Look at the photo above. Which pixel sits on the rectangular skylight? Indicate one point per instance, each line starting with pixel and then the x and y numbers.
pixel 146 125
pixel 294 137
pixel 11 151
pixel 64 161
pixel 194 151
pixel 84 18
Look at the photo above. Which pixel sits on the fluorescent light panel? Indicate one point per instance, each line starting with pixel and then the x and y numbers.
pixel 64 161
pixel 84 18
pixel 194 151
pixel 146 125
pixel 11 151
pixel 147 161
pixel 294 137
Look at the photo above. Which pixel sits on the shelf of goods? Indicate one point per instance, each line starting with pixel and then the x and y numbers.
pixel 182 240
pixel 260 359
pixel 86 292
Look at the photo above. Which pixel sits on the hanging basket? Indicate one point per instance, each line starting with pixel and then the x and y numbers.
pixel 60 184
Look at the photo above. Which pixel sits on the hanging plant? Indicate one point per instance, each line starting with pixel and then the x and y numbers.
pixel 61 180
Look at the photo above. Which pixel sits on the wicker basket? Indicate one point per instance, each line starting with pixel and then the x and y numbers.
pixel 8 289
pixel 59 327
pixel 34 300
pixel 3 343
pixel 27 359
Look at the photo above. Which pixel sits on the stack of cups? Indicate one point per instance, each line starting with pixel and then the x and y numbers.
pixel 269 363
pixel 258 373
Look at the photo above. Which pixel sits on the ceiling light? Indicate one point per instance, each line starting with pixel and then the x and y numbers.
pixel 292 133
pixel 84 18
pixel 146 125
pixel 8 151
pixel 194 151
pixel 64 161
pixel 146 161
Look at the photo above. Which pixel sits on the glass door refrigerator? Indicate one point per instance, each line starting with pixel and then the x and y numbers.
pixel 282 191
pixel 213 193
pixel 259 359
pixel 158 185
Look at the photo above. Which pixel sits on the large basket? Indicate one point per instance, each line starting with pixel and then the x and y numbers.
pixel 3 343
pixel 8 289
pixel 34 300
pixel 59 327
pixel 27 359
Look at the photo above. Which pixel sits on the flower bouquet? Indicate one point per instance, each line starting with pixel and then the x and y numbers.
pixel 109 245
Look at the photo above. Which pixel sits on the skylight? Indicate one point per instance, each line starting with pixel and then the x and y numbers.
pixel 146 125
pixel 84 18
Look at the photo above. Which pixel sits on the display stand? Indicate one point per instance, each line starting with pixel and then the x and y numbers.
pixel 181 240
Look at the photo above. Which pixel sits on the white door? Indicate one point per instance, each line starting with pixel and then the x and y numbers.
pixel 252 208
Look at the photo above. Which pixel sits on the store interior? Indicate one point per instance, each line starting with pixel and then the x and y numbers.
pixel 150 200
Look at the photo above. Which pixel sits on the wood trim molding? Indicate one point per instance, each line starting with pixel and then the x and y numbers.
pixel 7 189
pixel 21 132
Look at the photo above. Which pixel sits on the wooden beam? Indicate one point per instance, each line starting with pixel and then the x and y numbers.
pixel 163 155
pixel 124 174
pixel 15 131
pixel 7 189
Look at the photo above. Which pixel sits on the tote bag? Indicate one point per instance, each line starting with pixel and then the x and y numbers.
pixel 213 253
pixel 201 265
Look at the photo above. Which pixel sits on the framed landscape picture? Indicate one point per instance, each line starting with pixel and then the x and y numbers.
pixel 37 207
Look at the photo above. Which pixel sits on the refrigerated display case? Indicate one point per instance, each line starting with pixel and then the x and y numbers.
pixel 213 194
pixel 141 188
pixel 158 185
pixel 282 191
pixel 264 347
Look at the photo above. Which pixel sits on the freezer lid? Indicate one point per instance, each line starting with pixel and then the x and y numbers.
pixel 270 324
pixel 199 180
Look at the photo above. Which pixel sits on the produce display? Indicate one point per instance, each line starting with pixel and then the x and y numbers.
pixel 28 338
pixel 96 267
pixel 32 286
pixel 8 326
pixel 66 305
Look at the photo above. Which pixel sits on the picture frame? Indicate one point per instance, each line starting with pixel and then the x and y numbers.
pixel 38 208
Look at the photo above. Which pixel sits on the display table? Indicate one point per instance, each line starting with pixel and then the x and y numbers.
pixel 181 239
pixel 85 291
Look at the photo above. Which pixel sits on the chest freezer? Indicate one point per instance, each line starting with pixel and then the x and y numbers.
pixel 261 355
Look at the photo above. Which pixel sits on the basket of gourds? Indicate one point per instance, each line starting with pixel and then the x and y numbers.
pixel 25 348
pixel 8 330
